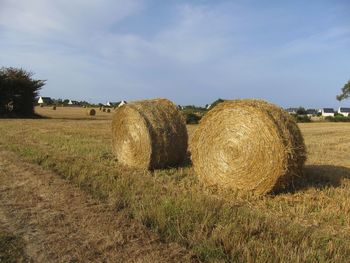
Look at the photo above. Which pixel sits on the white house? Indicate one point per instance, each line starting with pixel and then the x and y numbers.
pixel 123 102
pixel 344 111
pixel 311 112
pixel 45 100
pixel 292 110
pixel 73 103
pixel 327 112
pixel 115 104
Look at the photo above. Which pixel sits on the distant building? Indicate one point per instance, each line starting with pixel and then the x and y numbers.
pixel 344 111
pixel 45 101
pixel 115 104
pixel 311 112
pixel 292 110
pixel 327 112
pixel 73 103
pixel 123 102
pixel 111 104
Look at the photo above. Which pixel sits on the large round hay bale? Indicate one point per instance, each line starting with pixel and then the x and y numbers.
pixel 91 112
pixel 108 110
pixel 149 134
pixel 54 107
pixel 249 145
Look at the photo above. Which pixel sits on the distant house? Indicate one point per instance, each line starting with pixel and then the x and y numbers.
pixel 115 104
pixel 292 110
pixel 311 112
pixel 123 102
pixel 344 111
pixel 208 106
pixel 327 112
pixel 73 103
pixel 45 101
pixel 111 104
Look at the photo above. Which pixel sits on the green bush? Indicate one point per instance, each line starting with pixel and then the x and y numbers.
pixel 338 118
pixel 18 92
pixel 301 118
pixel 192 118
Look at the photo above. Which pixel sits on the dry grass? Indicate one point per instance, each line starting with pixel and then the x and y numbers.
pixel 66 225
pixel 309 224
pixel 11 248
pixel 76 113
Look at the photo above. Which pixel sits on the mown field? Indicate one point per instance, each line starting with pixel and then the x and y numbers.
pixel 308 224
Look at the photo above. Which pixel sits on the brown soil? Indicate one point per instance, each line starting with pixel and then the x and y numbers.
pixel 60 223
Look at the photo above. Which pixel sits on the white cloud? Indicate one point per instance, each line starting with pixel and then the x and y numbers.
pixel 203 52
pixel 329 39
pixel 64 17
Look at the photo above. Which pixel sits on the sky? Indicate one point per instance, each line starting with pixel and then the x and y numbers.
pixel 291 53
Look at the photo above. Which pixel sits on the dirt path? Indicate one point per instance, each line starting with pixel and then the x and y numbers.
pixel 60 223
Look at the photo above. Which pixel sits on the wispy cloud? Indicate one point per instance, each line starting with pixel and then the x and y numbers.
pixel 330 39
pixel 198 53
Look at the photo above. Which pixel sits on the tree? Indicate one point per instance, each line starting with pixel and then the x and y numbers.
pixel 345 92
pixel 18 92
pixel 301 111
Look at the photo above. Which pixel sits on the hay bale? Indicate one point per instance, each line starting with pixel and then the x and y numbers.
pixel 249 145
pixel 149 134
pixel 104 109
pixel 91 112
pixel 108 110
pixel 53 107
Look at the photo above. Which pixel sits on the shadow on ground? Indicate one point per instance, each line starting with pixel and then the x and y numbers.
pixel 321 176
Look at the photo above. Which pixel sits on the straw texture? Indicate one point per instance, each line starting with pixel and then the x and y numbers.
pixel 91 112
pixel 149 134
pixel 249 145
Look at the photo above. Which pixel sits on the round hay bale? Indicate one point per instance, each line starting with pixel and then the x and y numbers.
pixel 53 107
pixel 104 109
pixel 91 112
pixel 108 110
pixel 149 134
pixel 249 145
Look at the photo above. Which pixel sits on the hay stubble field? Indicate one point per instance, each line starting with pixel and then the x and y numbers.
pixel 308 224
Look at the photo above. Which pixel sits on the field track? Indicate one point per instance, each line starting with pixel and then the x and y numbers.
pixel 60 223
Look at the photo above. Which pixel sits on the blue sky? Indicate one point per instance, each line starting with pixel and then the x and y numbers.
pixel 288 52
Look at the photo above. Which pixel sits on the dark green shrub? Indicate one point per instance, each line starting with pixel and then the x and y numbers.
pixel 301 111
pixel 337 118
pixel 192 118
pixel 301 118
pixel 18 92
